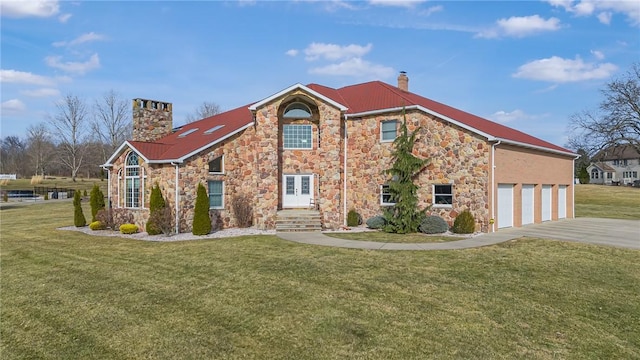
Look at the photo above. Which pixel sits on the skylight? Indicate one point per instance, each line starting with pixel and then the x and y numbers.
pixel 188 132
pixel 214 129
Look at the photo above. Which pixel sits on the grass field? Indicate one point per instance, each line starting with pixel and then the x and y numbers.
pixel 67 295
pixel 61 182
pixel 618 202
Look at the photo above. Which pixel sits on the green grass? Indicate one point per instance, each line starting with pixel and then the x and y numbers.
pixel 381 236
pixel 67 295
pixel 601 201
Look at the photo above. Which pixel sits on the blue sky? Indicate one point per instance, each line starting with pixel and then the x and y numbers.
pixel 526 64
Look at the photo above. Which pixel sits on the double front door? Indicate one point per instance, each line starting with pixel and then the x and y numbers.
pixel 297 190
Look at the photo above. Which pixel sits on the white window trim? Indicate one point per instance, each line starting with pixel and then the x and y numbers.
pixel 141 176
pixel 221 165
pixel 433 198
pixel 381 132
pixel 222 205
pixel 382 203
pixel 298 148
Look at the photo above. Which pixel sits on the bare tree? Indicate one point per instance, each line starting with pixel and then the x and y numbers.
pixel 616 121
pixel 40 147
pixel 205 110
pixel 13 153
pixel 69 124
pixel 111 123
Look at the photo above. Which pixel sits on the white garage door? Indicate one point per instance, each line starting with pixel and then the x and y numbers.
pixel 527 204
pixel 546 202
pixel 505 205
pixel 562 201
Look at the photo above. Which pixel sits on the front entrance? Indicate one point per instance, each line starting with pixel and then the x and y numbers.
pixel 297 190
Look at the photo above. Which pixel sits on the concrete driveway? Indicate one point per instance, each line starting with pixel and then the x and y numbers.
pixel 611 232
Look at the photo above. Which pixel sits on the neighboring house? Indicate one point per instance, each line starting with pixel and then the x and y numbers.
pixel 615 165
pixel 328 148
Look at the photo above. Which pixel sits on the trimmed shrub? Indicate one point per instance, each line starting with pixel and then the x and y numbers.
pixel 5 196
pixel 96 200
pixel 46 195
pixel 433 224
pixel 78 216
pixel 353 218
pixel 97 225
pixel 128 228
pixel 85 193
pixel 156 212
pixel 376 222
pixel 242 210
pixel 201 220
pixel 464 223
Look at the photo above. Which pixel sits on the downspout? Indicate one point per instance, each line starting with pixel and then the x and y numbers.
pixel 493 186
pixel 177 198
pixel 573 187
pixel 344 169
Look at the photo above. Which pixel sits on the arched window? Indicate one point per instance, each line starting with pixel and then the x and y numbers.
pixel 595 173
pixel 297 110
pixel 132 177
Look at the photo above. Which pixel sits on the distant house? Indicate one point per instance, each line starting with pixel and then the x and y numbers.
pixel 615 165
pixel 312 146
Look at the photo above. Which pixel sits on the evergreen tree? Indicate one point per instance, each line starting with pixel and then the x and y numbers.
pixel 201 220
pixel 78 216
pixel 156 204
pixel 96 200
pixel 404 217
pixel 583 175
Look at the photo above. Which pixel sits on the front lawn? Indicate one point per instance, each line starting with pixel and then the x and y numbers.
pixel 603 201
pixel 67 295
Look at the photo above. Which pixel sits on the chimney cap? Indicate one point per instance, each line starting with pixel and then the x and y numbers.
pixel 403 72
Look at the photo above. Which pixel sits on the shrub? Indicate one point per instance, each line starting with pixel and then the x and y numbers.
pixel 5 196
pixel 156 206
pixel 105 216
pixel 36 179
pixel 46 195
pixel 433 224
pixel 96 200
pixel 242 210
pixel 201 220
pixel 217 222
pixel 376 222
pixel 464 223
pixel 97 225
pixel 162 220
pixel 353 218
pixel 115 218
pixel 128 228
pixel 85 193
pixel 78 216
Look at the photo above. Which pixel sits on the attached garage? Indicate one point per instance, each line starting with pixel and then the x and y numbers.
pixel 546 202
pixel 562 201
pixel 505 205
pixel 528 204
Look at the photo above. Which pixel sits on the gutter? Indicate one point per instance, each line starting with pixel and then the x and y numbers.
pixel 492 221
pixel 177 199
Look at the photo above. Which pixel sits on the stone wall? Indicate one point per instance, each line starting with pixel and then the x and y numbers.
pixel 151 119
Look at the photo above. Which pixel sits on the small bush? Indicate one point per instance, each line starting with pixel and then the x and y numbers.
pixel 78 216
pixel 242 210
pixel 96 200
pixel 128 228
pixel 433 225
pixel 5 196
pixel 217 222
pixel 162 220
pixel 85 193
pixel 464 223
pixel 97 225
pixel 4 182
pixel 36 179
pixel 376 222
pixel 201 220
pixel 46 195
pixel 353 218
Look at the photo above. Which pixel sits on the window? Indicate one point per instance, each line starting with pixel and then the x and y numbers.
pixel 630 174
pixel 297 136
pixel 216 194
pixel 132 181
pixel 385 196
pixel 187 132
pixel 609 175
pixel 217 127
pixel 297 110
pixel 594 173
pixel 443 195
pixel 388 130
pixel 635 175
pixel 216 165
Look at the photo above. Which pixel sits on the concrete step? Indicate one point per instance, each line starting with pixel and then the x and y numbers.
pixel 298 220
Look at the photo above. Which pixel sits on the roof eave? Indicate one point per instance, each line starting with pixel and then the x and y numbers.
pixel 119 151
pixel 297 86
pixel 535 147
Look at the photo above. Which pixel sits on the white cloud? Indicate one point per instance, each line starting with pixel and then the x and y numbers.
pixel 355 67
pixel 79 68
pixel 519 26
pixel 605 17
pixel 292 52
pixel 28 8
pixel 13 106
pixel 399 3
pixel 432 10
pixel 505 117
pixel 43 92
pixel 603 9
pixel 559 70
pixel 84 38
pixel 335 52
pixel 21 77
pixel 597 54
pixel 64 18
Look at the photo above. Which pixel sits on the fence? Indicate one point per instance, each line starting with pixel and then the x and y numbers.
pixel 54 192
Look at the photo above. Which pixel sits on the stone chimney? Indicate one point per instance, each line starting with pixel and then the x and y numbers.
pixel 151 120
pixel 403 81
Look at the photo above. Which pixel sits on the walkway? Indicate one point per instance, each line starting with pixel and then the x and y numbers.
pixel 610 232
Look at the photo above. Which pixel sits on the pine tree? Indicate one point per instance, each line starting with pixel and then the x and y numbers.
pixel 96 200
pixel 583 175
pixel 201 220
pixel 404 217
pixel 78 216
pixel 156 204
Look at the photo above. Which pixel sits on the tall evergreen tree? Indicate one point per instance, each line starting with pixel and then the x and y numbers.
pixel 78 216
pixel 404 217
pixel 201 220
pixel 156 204
pixel 96 200
pixel 583 175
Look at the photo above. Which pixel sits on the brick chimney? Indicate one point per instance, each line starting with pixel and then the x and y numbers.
pixel 403 81
pixel 151 120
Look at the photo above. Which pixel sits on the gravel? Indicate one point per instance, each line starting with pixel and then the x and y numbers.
pixel 178 237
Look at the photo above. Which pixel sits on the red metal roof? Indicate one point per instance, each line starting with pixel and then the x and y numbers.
pixel 359 98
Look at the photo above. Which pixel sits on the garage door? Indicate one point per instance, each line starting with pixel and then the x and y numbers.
pixel 527 204
pixel 562 201
pixel 505 205
pixel 546 202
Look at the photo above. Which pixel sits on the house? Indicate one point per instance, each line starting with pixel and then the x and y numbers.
pixel 316 146
pixel 618 164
